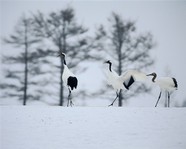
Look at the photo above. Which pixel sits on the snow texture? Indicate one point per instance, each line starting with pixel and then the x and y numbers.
pixel 36 127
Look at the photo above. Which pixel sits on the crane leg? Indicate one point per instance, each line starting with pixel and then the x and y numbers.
pixel 69 99
pixel 168 99
pixel 117 95
pixel 158 100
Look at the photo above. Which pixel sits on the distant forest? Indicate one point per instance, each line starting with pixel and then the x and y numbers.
pixel 34 72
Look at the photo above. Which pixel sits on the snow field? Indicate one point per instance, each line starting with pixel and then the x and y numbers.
pixel 39 127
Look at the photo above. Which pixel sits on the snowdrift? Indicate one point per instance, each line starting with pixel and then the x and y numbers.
pixel 34 127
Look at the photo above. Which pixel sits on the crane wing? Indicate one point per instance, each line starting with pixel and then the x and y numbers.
pixel 167 83
pixel 130 76
pixel 66 74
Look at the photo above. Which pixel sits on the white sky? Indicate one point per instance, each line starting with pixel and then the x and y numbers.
pixel 166 20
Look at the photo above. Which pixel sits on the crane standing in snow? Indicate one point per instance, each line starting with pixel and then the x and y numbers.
pixel 124 81
pixel 166 84
pixel 69 80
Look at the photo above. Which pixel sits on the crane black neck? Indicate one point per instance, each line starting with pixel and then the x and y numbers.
pixel 154 77
pixel 64 61
pixel 110 65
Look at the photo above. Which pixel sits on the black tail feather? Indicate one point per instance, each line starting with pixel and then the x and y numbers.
pixel 72 82
pixel 131 81
pixel 175 83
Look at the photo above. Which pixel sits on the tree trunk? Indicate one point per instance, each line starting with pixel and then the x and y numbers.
pixel 26 67
pixel 119 72
pixel 62 48
pixel 61 84
pixel 61 93
pixel 120 103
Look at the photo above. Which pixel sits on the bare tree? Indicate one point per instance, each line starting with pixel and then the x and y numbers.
pixel 125 47
pixel 23 39
pixel 66 35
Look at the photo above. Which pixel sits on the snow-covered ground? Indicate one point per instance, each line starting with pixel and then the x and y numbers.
pixel 39 127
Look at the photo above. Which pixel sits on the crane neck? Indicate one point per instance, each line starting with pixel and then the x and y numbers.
pixel 110 65
pixel 154 77
pixel 64 61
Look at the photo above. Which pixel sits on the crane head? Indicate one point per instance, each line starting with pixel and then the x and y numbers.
pixel 152 74
pixel 108 62
pixel 62 54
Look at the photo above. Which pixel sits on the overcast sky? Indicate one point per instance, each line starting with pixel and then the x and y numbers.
pixel 166 20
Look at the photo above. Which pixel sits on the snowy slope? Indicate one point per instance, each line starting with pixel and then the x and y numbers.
pixel 36 127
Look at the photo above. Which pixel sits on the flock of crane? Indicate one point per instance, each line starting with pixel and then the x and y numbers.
pixel 123 81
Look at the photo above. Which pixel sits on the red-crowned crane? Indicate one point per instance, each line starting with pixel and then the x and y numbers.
pixel 166 84
pixel 69 80
pixel 123 81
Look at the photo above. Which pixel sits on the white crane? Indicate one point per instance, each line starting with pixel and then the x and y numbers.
pixel 123 81
pixel 69 79
pixel 166 84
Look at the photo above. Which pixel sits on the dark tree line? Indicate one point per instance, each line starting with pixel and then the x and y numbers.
pixel 24 39
pixel 119 41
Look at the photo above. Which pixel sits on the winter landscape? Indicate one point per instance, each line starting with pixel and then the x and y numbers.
pixel 118 65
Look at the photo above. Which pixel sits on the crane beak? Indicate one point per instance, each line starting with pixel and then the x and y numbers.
pixel 150 74
pixel 59 55
pixel 106 62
